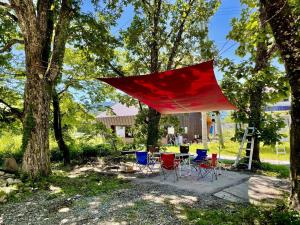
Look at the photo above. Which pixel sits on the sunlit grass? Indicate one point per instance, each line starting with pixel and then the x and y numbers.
pixel 232 148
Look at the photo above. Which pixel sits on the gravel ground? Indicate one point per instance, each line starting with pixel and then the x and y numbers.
pixel 146 203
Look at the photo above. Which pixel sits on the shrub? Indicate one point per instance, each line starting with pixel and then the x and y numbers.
pixel 83 151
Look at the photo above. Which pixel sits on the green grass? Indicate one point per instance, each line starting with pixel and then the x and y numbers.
pixel 281 171
pixel 231 149
pixel 243 215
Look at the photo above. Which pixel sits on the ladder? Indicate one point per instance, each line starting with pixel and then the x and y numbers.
pixel 248 138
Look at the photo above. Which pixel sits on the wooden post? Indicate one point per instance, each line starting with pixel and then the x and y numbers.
pixel 220 131
pixel 204 130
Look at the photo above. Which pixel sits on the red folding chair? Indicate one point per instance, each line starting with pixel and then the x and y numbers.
pixel 169 164
pixel 209 168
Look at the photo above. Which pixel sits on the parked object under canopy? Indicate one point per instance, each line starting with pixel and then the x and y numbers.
pixel 189 89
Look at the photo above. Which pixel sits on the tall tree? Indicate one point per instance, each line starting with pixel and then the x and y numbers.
pixel 43 28
pixel 166 35
pixel 283 17
pixel 252 33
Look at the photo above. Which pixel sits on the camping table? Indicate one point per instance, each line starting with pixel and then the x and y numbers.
pixel 187 162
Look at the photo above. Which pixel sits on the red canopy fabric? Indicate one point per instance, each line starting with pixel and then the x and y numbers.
pixel 189 89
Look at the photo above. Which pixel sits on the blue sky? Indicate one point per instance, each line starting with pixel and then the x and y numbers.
pixel 219 25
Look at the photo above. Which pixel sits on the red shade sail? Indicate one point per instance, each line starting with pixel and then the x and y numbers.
pixel 189 89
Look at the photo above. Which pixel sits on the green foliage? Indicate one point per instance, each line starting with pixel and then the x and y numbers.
pixel 140 127
pixel 269 133
pixel 238 83
pixel 270 128
pixel 83 152
pixel 246 215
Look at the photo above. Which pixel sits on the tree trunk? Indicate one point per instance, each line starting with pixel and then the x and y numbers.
pixel 36 23
pixel 58 128
pixel 255 118
pixel 35 144
pixel 285 29
pixel 295 142
pixel 153 127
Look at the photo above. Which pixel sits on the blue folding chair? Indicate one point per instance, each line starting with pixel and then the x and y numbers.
pixel 201 156
pixel 143 161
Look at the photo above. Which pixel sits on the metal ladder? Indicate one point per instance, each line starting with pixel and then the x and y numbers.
pixel 248 138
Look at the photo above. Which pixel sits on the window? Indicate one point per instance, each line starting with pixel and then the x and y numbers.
pixel 120 131
pixel 128 132
pixel 185 130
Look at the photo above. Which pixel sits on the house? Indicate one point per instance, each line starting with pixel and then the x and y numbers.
pixel 121 118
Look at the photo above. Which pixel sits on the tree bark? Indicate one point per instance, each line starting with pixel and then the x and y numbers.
pixel 295 142
pixel 42 67
pixel 58 128
pixel 255 118
pixel 35 143
pixel 153 115
pixel 285 29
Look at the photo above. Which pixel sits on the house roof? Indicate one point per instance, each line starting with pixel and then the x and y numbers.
pixel 119 109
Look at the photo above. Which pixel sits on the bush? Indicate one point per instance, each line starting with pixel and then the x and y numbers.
pixel 83 151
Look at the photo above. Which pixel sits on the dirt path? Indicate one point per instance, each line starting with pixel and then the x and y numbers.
pixel 145 203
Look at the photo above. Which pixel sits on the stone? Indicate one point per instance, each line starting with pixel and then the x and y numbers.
pixel 3 198
pixel 17 181
pixel 3 183
pixel 8 175
pixel 10 181
pixel 1 173
pixel 11 165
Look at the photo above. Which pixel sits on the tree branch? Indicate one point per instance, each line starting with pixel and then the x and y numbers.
pixel 115 69
pixel 271 51
pixel 178 38
pixel 60 39
pixel 12 16
pixel 5 5
pixel 18 113
pixel 8 46
pixel 8 6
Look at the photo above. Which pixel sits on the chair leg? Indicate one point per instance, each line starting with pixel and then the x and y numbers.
pixel 161 174
pixel 176 175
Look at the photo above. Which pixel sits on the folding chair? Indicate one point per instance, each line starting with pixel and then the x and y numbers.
pixel 201 155
pixel 169 164
pixel 209 168
pixel 200 158
pixel 143 161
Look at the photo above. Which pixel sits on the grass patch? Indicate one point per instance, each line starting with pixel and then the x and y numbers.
pixel 89 184
pixel 232 148
pixel 243 215
pixel 281 171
